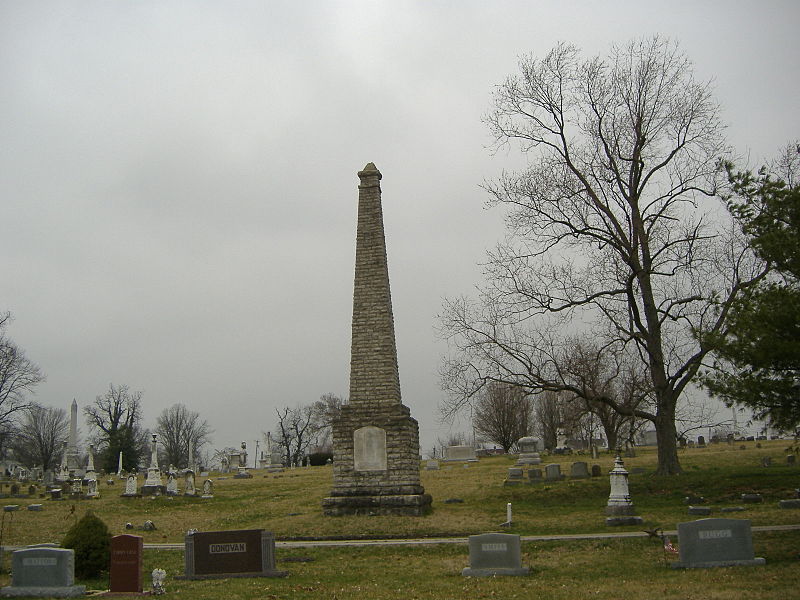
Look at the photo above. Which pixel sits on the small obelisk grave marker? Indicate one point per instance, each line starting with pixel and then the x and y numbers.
pixel 375 439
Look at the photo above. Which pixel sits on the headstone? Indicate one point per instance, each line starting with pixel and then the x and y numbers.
pixel 715 543
pixel 159 576
pixel 620 506
pixel 208 489
pixel 534 476
pixel 43 571
pixel 432 465
pixel 766 461
pixel 514 476
pixel 699 510
pixel 528 451
pixel 377 478
pixel 188 484
pixel 494 554
pixel 793 503
pixel 730 509
pixel 596 471
pixel 172 485
pixel 125 573
pixel 752 498
pixel 153 485
pixel 242 460
pixel 553 472
pixel 460 453
pixel 91 490
pixel 35 507
pixel 701 441
pixel 55 494
pixel 31 490
pixel 791 459
pixel 130 487
pixel 220 554
pixel 579 470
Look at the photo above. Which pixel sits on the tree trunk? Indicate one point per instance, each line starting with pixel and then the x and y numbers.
pixel 667 440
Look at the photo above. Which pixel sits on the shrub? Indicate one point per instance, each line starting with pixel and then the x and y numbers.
pixel 320 458
pixel 91 541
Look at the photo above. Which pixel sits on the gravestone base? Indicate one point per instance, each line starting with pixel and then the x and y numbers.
pixel 43 592
pixel 719 563
pixel 153 490
pixel 411 505
pixel 624 520
pixel 384 480
pixel 470 572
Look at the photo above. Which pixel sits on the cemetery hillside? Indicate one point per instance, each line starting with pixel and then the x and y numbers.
pixel 469 498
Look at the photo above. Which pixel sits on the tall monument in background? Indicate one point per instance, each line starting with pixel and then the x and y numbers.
pixel 73 460
pixel 375 439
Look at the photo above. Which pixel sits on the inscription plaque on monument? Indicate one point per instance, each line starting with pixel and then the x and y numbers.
pixel 369 449
pixel 242 553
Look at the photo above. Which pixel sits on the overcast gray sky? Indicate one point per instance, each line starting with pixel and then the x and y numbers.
pixel 178 179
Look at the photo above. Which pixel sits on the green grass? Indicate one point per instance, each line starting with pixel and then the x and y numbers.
pixel 289 505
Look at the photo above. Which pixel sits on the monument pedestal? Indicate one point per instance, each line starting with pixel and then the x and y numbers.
pixel 375 468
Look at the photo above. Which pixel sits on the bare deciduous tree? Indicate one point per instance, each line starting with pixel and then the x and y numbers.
pixel 297 428
pixel 178 428
pixel 502 414
pixel 18 377
pixel 609 230
pixel 40 437
pixel 116 420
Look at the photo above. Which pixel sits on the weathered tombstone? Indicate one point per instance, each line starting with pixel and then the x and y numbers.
pixel 460 453
pixel 14 489
pixel 91 489
pixel 699 510
pixel 35 507
pixel 793 503
pixel 514 476
pixel 701 441
pixel 188 484
pixel 130 487
pixel 373 472
pixel 752 498
pixel 620 506
pixel 43 571
pixel 221 554
pixel 432 465
pixel 31 490
pixel 553 472
pixel 596 471
pixel 172 485
pixel 55 494
pixel 125 573
pixel 715 543
pixel 579 470
pixel 535 476
pixel 494 554
pixel 153 485
pixel 528 451
pixel 208 489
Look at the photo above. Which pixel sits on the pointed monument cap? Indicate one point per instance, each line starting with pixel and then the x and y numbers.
pixel 369 171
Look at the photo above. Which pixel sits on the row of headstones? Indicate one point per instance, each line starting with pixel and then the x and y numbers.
pixel 747 498
pixel 46 570
pixel 171 489
pixel 552 472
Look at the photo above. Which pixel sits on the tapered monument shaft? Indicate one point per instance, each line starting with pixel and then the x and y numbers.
pixel 373 354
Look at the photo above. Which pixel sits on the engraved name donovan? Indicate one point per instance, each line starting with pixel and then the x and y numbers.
pixel 229 548
pixel 715 534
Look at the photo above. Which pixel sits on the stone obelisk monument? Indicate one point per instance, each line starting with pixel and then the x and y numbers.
pixel 73 458
pixel 375 439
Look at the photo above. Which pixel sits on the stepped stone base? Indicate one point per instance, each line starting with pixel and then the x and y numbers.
pixel 412 505
pixel 383 479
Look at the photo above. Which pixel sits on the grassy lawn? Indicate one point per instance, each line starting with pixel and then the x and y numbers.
pixel 289 504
